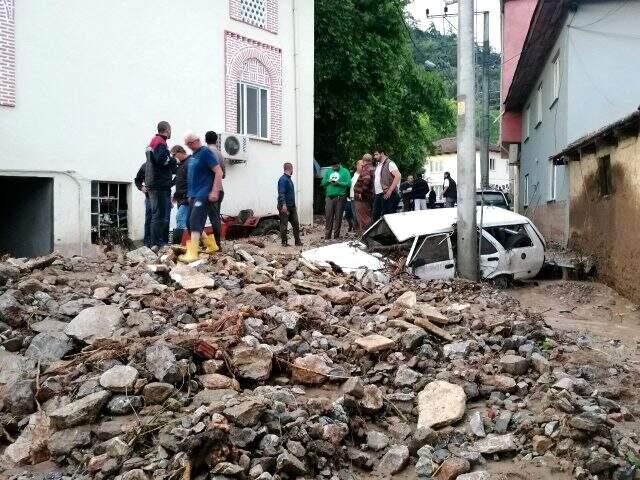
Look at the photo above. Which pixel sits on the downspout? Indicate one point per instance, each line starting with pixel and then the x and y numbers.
pixel 73 176
pixel 295 96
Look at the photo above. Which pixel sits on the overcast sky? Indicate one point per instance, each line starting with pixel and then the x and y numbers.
pixel 436 7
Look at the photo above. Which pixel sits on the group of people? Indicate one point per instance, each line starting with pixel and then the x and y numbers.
pixel 372 191
pixel 198 194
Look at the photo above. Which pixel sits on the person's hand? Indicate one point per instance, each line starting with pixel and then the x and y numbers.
pixel 284 209
pixel 213 196
pixel 387 194
pixel 144 189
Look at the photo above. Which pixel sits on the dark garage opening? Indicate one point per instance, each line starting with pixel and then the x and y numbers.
pixel 26 216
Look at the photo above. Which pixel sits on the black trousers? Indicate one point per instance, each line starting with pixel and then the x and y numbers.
pixel 291 216
pixel 214 216
pixel 384 207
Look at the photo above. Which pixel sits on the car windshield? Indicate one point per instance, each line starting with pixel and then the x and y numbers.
pixel 491 199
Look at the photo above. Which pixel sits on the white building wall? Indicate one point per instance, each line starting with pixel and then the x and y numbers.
pixel 94 78
pixel 436 165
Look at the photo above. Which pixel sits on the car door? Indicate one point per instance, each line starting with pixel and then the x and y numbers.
pixel 431 257
pixel 521 256
pixel 489 256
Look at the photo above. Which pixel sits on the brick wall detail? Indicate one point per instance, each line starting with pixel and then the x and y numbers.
pixel 239 10
pixel 259 64
pixel 7 54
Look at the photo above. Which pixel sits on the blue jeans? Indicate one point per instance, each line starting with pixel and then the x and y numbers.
pixel 147 222
pixel 182 215
pixel 160 212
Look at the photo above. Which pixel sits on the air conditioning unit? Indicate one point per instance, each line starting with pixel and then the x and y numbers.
pixel 234 147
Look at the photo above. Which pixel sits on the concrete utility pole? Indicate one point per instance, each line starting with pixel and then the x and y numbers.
pixel 467 251
pixel 484 148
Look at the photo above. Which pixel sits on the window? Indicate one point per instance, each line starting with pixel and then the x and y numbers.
pixel 553 180
pixel 109 209
pixel 492 164
pixel 434 248
pixel 486 248
pixel 527 123
pixel 491 199
pixel 254 12
pixel 604 176
pixel 539 106
pixel 253 110
pixel 556 79
pixel 526 190
pixel 511 236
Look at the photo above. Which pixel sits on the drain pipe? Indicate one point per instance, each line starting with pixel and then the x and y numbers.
pixel 72 174
pixel 295 97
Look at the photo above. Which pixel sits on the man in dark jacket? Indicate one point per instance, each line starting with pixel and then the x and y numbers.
pixel 287 206
pixel 180 195
pixel 140 185
pixel 159 171
pixel 449 191
pixel 211 139
pixel 420 190
pixel 406 189
pixel 432 198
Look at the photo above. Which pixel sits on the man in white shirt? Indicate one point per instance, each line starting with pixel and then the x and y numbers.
pixel 386 181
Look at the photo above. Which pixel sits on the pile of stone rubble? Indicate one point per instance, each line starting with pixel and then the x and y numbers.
pixel 248 365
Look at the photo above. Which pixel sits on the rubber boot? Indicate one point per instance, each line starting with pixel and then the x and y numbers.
pixel 177 236
pixel 192 253
pixel 209 242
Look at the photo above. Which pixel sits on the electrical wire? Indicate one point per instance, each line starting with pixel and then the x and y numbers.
pixel 606 15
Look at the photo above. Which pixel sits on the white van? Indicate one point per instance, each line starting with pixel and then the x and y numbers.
pixel 512 247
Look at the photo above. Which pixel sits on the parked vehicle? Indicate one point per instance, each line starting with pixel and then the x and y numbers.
pixel 492 198
pixel 512 247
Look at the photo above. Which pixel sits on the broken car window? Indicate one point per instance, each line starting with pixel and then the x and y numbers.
pixel 511 236
pixel 434 248
pixel 487 247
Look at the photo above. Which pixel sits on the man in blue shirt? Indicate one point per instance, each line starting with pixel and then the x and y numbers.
pixel 204 181
pixel 287 206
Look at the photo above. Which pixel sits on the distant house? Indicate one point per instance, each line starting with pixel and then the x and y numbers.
pixel 446 160
pixel 603 168
pixel 569 75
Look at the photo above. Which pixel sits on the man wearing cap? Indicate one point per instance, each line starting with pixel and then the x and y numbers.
pixel 204 180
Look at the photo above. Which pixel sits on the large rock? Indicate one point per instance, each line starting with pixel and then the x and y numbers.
pixel 503 383
pixel 393 461
pixel 310 370
pixel 216 381
pixel 47 348
pixel 252 361
pixel 246 413
pixel 337 296
pixel 407 300
pixel 121 378
pixel 290 465
pixel 11 309
pixel 452 467
pixel 375 343
pixel 475 476
pixel 142 254
pixel 540 363
pixel 79 412
pixel 162 364
pixel 95 322
pixel 514 364
pixel 124 404
pixel 74 307
pixel 440 403
pixel 495 444
pixel 431 313
pixel 48 325
pixel 191 279
pixel 31 445
pixel 15 367
pixel 157 392
pixel 208 397
pixel 64 442
pixel 20 398
pixel 372 399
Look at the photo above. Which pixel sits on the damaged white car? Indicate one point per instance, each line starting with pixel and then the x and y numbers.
pixel 512 248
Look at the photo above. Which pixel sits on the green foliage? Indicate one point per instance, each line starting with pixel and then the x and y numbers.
pixel 368 89
pixel 546 345
pixel 441 49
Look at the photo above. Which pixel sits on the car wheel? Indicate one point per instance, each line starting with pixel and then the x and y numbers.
pixel 502 282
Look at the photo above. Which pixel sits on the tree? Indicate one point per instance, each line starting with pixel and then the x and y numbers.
pixel 368 89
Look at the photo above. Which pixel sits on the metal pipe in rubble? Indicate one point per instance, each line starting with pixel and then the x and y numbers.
pixel 467 253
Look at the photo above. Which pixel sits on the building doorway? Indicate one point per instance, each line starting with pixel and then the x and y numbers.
pixel 26 216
